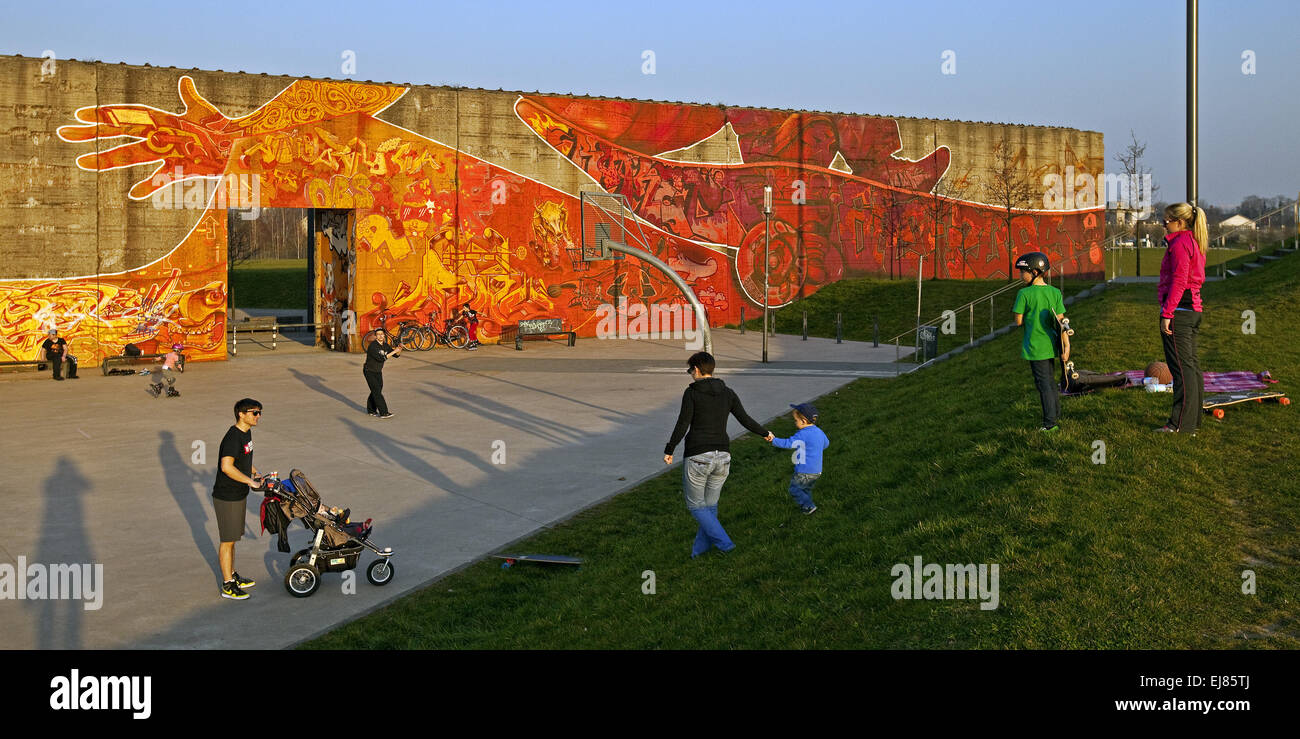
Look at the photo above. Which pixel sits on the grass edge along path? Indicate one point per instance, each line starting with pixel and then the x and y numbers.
pixel 1150 549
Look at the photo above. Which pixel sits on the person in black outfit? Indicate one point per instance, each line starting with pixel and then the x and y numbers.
pixel 235 473
pixel 376 354
pixel 706 406
pixel 56 352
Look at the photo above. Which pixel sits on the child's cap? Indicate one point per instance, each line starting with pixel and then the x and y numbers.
pixel 807 410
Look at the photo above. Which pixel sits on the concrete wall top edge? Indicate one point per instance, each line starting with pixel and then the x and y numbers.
pixel 290 78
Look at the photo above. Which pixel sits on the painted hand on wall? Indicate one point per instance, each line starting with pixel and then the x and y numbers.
pixel 194 143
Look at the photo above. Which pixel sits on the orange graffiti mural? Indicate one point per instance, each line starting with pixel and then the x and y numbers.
pixel 421 228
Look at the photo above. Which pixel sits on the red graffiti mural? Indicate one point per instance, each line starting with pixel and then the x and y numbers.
pixel 430 228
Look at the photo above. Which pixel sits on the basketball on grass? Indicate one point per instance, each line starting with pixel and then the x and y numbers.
pixel 1160 371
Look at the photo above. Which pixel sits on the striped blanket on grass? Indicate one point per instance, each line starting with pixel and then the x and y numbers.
pixel 1215 382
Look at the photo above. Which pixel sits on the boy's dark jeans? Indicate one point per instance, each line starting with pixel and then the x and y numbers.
pixel 1045 380
pixel 1189 383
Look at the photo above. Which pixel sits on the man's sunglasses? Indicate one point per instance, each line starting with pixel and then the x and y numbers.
pixel 255 413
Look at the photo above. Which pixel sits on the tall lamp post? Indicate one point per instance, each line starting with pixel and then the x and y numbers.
pixel 767 261
pixel 1192 44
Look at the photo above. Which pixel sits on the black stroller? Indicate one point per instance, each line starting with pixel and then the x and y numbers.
pixel 338 543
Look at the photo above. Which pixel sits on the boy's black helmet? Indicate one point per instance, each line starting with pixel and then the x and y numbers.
pixel 1034 261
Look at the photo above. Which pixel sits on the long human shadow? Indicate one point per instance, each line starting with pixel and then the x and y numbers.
pixel 510 416
pixel 316 383
pixel 537 390
pixel 385 448
pixel 187 485
pixel 63 540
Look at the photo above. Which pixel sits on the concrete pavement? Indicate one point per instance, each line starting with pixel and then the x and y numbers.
pixel 98 471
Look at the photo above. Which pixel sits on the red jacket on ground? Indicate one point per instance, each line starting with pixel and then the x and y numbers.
pixel 1182 272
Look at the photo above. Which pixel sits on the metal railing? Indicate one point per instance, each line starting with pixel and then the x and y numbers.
pixel 968 307
pixel 275 328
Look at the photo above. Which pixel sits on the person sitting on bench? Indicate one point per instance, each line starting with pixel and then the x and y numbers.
pixel 56 351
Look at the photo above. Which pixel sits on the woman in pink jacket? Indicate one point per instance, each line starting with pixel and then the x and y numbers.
pixel 1182 272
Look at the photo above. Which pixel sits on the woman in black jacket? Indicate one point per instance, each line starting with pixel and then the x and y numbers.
pixel 706 406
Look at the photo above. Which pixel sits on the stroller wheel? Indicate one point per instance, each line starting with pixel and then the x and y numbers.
pixel 302 555
pixel 302 580
pixel 380 572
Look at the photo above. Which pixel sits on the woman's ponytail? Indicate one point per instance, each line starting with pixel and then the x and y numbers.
pixel 1200 231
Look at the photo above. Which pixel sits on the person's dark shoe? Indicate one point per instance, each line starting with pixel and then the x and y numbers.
pixel 386 415
pixel 154 390
pixel 810 510
pixel 59 379
pixel 232 591
pixel 243 582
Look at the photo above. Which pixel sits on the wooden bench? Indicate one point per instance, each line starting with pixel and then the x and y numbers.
pixel 258 324
pixel 544 327
pixel 110 362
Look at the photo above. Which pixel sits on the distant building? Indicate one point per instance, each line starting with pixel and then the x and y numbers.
pixel 1237 221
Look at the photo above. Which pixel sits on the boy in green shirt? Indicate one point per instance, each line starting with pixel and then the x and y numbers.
pixel 1039 308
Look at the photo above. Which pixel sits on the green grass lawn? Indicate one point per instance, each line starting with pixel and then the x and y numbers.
pixel 1123 262
pixel 893 303
pixel 270 283
pixel 1145 551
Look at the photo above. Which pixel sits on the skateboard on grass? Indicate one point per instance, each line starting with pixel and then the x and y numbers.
pixel 1214 404
pixel 545 559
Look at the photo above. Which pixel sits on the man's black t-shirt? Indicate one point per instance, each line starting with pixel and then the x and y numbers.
pixel 237 444
pixel 54 348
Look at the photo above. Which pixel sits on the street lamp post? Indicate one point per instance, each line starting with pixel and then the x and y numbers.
pixel 767 261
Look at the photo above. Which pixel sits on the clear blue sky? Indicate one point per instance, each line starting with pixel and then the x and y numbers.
pixel 1098 65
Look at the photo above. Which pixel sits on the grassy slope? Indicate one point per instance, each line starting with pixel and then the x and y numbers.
pixel 271 283
pixel 1127 260
pixel 894 303
pixel 1145 551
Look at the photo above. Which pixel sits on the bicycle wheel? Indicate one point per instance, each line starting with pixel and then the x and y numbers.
pixel 457 337
pixel 409 337
pixel 426 339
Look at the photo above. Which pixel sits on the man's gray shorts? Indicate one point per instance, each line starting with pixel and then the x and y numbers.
pixel 230 519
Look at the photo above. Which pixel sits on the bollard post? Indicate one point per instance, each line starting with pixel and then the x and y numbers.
pixel 275 334
pixel 742 320
pixel 234 339
pixel 839 328
pixel 805 325
pixel 333 338
pixel 972 323
pixel 875 330
pixel 990 315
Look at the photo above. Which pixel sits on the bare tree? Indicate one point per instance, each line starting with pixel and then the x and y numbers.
pixel 1135 174
pixel 1010 186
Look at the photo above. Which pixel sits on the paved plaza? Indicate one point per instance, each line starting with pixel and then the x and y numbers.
pixel 98 471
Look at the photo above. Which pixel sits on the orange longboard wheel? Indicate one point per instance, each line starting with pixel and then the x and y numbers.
pixel 1218 413
pixel 1284 401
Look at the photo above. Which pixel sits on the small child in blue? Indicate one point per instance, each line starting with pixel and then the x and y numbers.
pixel 808 443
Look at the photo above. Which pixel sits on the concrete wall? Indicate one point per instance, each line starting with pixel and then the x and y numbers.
pixel 458 195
